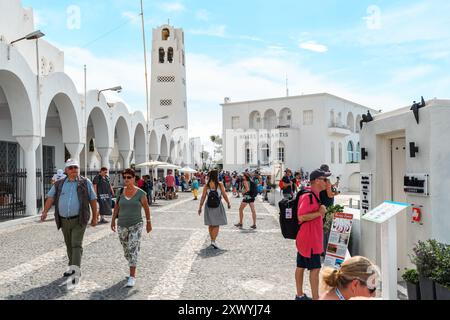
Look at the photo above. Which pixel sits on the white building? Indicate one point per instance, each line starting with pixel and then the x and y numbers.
pixel 303 132
pixel 195 151
pixel 168 105
pixel 58 114
pixel 394 170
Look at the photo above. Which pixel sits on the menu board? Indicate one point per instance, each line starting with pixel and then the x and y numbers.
pixel 385 211
pixel 341 230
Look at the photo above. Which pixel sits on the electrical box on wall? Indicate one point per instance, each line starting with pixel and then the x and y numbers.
pixel 366 192
pixel 416 184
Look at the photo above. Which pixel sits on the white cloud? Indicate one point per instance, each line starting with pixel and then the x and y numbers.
pixel 313 46
pixel 105 72
pixel 213 31
pixel 202 15
pixel 172 7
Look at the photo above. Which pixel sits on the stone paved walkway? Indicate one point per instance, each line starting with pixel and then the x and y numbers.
pixel 175 261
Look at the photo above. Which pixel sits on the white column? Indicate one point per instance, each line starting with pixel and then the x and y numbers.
pixel 75 150
pixel 29 145
pixel 105 153
pixel 126 154
pixel 389 259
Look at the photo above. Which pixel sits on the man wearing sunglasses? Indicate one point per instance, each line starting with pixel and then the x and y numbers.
pixel 309 240
pixel 72 197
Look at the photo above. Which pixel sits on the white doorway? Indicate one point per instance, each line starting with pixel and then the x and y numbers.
pixel 398 171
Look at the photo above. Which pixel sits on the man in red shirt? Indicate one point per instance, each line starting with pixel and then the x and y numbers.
pixel 170 183
pixel 310 236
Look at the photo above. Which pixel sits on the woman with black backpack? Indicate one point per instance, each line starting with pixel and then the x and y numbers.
pixel 215 215
pixel 250 193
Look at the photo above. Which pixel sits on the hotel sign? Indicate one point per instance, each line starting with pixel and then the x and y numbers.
pixel 264 135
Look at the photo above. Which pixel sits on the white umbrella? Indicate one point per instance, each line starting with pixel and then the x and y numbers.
pixel 151 164
pixel 168 166
pixel 266 171
pixel 187 170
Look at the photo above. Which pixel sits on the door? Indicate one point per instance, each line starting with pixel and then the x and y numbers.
pixel 399 195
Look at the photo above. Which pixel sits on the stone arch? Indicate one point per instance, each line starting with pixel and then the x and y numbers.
pixel 172 151
pixel 18 102
pixel 270 119
pixel 285 117
pixel 122 133
pixel 255 120
pixel 19 87
pixel 59 89
pixel 358 123
pixel 139 144
pixel 97 118
pixel 164 150
pixel 71 132
pixel 154 147
pixel 351 122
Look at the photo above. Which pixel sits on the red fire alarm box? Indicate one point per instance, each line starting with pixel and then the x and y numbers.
pixel 417 215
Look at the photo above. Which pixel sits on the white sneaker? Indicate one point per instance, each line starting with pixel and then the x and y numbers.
pixel 131 282
pixel 214 245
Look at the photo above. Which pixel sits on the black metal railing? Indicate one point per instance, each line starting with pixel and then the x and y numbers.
pixel 45 183
pixel 12 194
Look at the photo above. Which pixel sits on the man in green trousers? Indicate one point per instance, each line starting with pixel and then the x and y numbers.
pixel 72 197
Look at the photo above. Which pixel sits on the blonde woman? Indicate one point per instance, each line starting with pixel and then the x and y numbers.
pixel 357 278
pixel 129 204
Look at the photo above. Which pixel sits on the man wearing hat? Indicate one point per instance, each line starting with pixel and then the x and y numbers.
pixel 327 195
pixel 72 197
pixel 309 240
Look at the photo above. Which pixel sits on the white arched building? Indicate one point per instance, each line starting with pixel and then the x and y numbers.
pixel 115 137
pixel 303 132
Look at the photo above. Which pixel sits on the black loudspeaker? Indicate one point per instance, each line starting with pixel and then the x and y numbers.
pixel 364 153
pixel 413 149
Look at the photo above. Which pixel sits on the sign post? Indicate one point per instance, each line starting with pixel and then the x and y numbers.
pixel 385 214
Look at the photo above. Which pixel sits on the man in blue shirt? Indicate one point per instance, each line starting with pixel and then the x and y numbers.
pixel 72 197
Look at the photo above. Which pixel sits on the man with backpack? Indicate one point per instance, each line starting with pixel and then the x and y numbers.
pixel 287 185
pixel 309 239
pixel 250 193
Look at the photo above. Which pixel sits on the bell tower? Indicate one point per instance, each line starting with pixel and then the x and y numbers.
pixel 168 78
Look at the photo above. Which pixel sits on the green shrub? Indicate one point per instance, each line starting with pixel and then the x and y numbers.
pixel 441 274
pixel 411 276
pixel 426 256
pixel 329 216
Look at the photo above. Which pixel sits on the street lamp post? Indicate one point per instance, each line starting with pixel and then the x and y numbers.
pixel 36 35
pixel 117 89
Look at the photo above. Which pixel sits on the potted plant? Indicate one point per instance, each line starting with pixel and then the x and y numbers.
pixel 425 259
pixel 411 278
pixel 441 275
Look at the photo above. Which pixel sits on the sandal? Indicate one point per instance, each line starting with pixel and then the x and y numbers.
pixel 253 227
pixel 238 225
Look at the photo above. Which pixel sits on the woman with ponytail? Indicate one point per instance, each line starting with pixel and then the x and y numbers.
pixel 358 277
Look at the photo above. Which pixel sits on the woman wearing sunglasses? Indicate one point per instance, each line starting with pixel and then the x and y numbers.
pixel 128 210
pixel 357 278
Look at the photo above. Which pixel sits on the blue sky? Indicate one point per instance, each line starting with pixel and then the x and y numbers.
pixel 383 54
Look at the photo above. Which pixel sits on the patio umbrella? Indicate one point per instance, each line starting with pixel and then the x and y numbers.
pixel 168 166
pixel 187 170
pixel 151 164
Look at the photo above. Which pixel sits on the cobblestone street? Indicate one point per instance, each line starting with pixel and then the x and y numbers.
pixel 175 261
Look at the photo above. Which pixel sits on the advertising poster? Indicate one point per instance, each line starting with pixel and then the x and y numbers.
pixel 341 230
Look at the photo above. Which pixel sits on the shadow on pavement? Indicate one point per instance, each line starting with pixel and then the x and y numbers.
pixel 116 292
pixel 211 253
pixel 51 291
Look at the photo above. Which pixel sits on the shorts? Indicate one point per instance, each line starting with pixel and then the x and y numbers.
pixel 309 263
pixel 248 200
pixel 170 189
